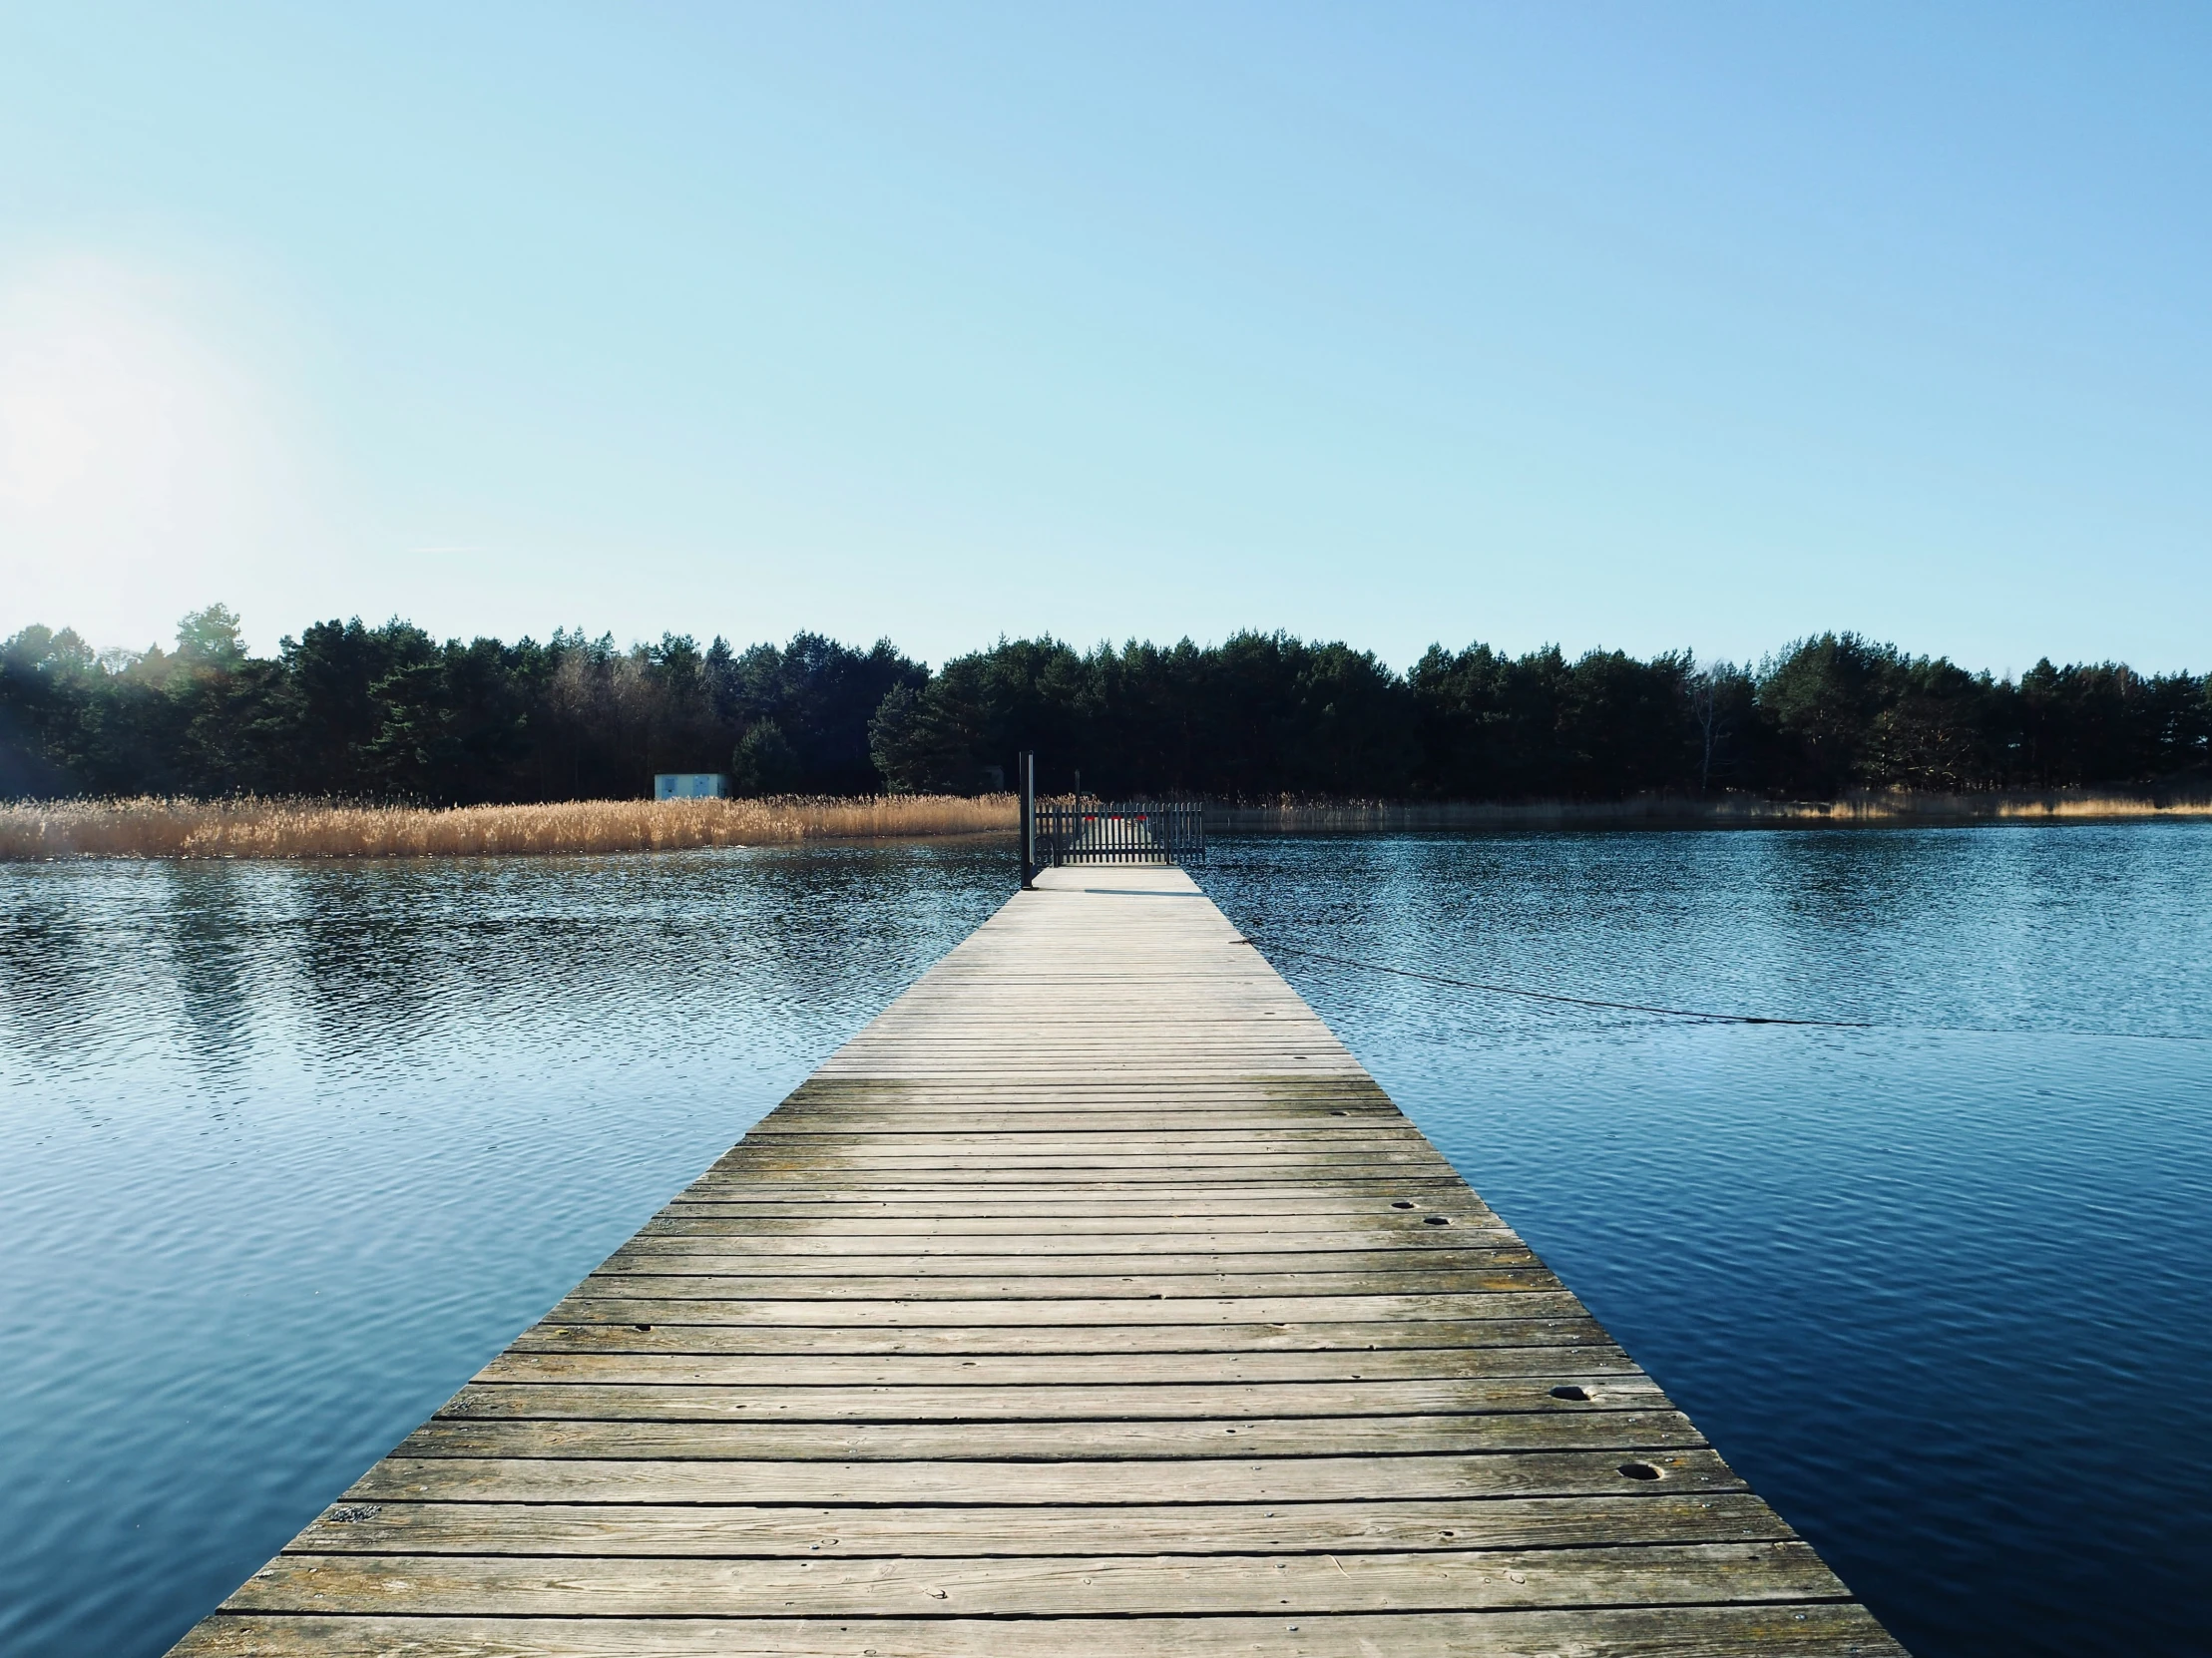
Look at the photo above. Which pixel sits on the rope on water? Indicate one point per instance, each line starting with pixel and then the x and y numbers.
pixel 1548 996
pixel 1699 1016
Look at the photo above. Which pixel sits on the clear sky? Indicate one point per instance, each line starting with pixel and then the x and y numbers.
pixel 1626 326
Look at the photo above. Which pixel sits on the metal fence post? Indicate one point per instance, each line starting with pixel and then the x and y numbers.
pixel 1027 767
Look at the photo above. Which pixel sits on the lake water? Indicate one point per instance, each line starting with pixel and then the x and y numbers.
pixel 287 1151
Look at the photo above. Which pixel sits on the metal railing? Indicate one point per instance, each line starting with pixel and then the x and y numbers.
pixel 1121 832
pixel 1106 831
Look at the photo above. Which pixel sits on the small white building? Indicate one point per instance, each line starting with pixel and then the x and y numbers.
pixel 689 785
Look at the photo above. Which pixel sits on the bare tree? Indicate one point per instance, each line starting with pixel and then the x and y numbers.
pixel 1709 714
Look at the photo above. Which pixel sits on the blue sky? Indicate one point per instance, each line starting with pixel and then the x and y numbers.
pixel 1642 326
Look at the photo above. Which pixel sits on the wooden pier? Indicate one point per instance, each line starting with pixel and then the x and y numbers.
pixel 1092 1301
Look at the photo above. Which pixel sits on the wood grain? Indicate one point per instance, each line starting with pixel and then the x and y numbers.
pixel 1810 1629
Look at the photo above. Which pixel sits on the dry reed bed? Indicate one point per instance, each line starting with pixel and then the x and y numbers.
pixel 255 828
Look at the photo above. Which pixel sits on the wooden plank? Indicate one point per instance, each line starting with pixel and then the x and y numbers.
pixel 1784 1629
pixel 1049 1586
pixel 1220 1119
pixel 1147 1181
pixel 1160 1307
pixel 1117 1151
pixel 1066 1441
pixel 1092 1299
pixel 906 1138
pixel 1014 1165
pixel 746 1532
pixel 723 1258
pixel 1138 1341
pixel 913 1240
pixel 776 1202
pixel 981 1101
pixel 1015 1286
pixel 1113 1366
pixel 403 1476
pixel 1204 1137
pixel 977 1402
pixel 1364 1224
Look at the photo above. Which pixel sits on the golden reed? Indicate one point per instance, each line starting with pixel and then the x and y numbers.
pixel 276 828
pixel 282 828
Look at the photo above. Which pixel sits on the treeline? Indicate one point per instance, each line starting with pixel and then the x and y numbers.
pixel 391 713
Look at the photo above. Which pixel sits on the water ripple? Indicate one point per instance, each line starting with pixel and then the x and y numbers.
pixel 287 1151
pixel 1939 1294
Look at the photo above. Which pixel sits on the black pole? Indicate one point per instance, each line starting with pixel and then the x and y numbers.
pixel 1026 766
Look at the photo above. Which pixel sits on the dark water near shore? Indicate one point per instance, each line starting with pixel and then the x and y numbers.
pixel 287 1152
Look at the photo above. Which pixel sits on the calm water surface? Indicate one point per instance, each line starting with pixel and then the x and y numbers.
pixel 287 1151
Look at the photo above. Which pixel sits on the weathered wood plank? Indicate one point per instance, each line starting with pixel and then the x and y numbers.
pixel 1160 1307
pixel 1049 1586
pixel 662 1400
pixel 1065 1441
pixel 924 1240
pixel 1135 1340
pixel 773 1201
pixel 1370 1225
pixel 742 1531
pixel 722 1257
pixel 1006 1286
pixel 1552 1365
pixel 1344 1148
pixel 1784 1630
pixel 1152 1181
pixel 1221 1118
pixel 403 1476
pixel 1351 1162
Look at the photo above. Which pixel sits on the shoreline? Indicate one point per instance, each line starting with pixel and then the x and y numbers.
pixel 1884 809
pixel 253 828
pixel 48 831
